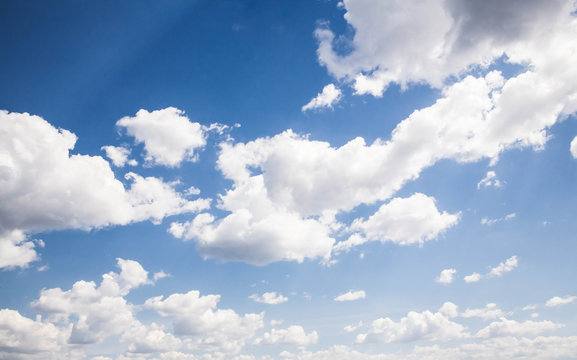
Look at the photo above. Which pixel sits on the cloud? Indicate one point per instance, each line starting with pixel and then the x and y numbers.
pixel 414 42
pixel 45 188
pixel 573 147
pixel 489 180
pixel 490 311
pixel 558 301
pixel 474 277
pixel 415 326
pixel 447 276
pixel 505 327
pixel 293 335
pixel 504 267
pixel 169 137
pixel 489 222
pixel 271 298
pixel 351 296
pixel 19 334
pixel 351 328
pixel 327 98
pixel 118 155
pixel 198 317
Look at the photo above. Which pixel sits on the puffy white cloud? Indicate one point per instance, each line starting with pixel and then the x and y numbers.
pixel 271 298
pixel 415 41
pixel 474 277
pixel 558 301
pixel 447 276
pixel 96 312
pixel 490 311
pixel 505 327
pixel 169 137
pixel 19 334
pixel 293 335
pixel 351 328
pixel 46 188
pixel 351 296
pixel 327 98
pixel 487 221
pixel 199 318
pixel 489 180
pixel 118 155
pixel 415 326
pixel 406 221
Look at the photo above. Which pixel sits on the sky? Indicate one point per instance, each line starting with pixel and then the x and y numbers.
pixel 257 180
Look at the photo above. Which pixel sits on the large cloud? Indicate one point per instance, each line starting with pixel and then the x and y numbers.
pixel 43 187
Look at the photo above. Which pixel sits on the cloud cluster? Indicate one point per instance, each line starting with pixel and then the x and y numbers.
pixel 45 187
pixel 497 271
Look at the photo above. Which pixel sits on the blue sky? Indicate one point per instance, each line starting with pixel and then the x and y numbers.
pixel 362 179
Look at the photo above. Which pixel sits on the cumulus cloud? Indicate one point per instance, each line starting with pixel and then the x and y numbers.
pixel 490 311
pixel 447 276
pixel 505 327
pixel 489 180
pixel 47 188
pixel 211 328
pixel 573 148
pixel 118 155
pixel 21 335
pixel 558 301
pixel 293 335
pixel 416 326
pixel 169 137
pixel 327 98
pixel 351 328
pixel 474 277
pixel 271 298
pixel 351 296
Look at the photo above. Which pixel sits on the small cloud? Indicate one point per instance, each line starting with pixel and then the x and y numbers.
pixel 160 275
pixel 534 315
pixel 489 222
pixel 489 180
pixel 329 96
pixel 573 148
pixel 351 296
pixel 446 276
pixel 351 328
pixel 43 268
pixel 529 307
pixel 504 267
pixel 558 301
pixel 270 298
pixel 474 277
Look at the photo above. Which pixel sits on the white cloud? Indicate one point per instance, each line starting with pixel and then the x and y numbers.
pixel 558 301
pixel 327 98
pixel 490 311
pixel 447 276
pixel 293 335
pixel 46 188
pixel 351 328
pixel 351 296
pixel 489 180
pixel 118 155
pixel 271 298
pixel 160 275
pixel 505 327
pixel 487 221
pixel 415 326
pixel 504 267
pixel 474 277
pixel 573 147
pixel 198 317
pixel 19 334
pixel 169 137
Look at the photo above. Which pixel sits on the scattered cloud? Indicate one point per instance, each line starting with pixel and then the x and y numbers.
pixel 573 148
pixel 351 296
pixel 169 137
pixel 351 328
pixel 293 335
pixel 271 298
pixel 558 301
pixel 474 277
pixel 119 155
pixel 490 311
pixel 505 327
pixel 416 326
pixel 327 98
pixel 447 276
pixel 487 221
pixel 503 267
pixel 490 180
